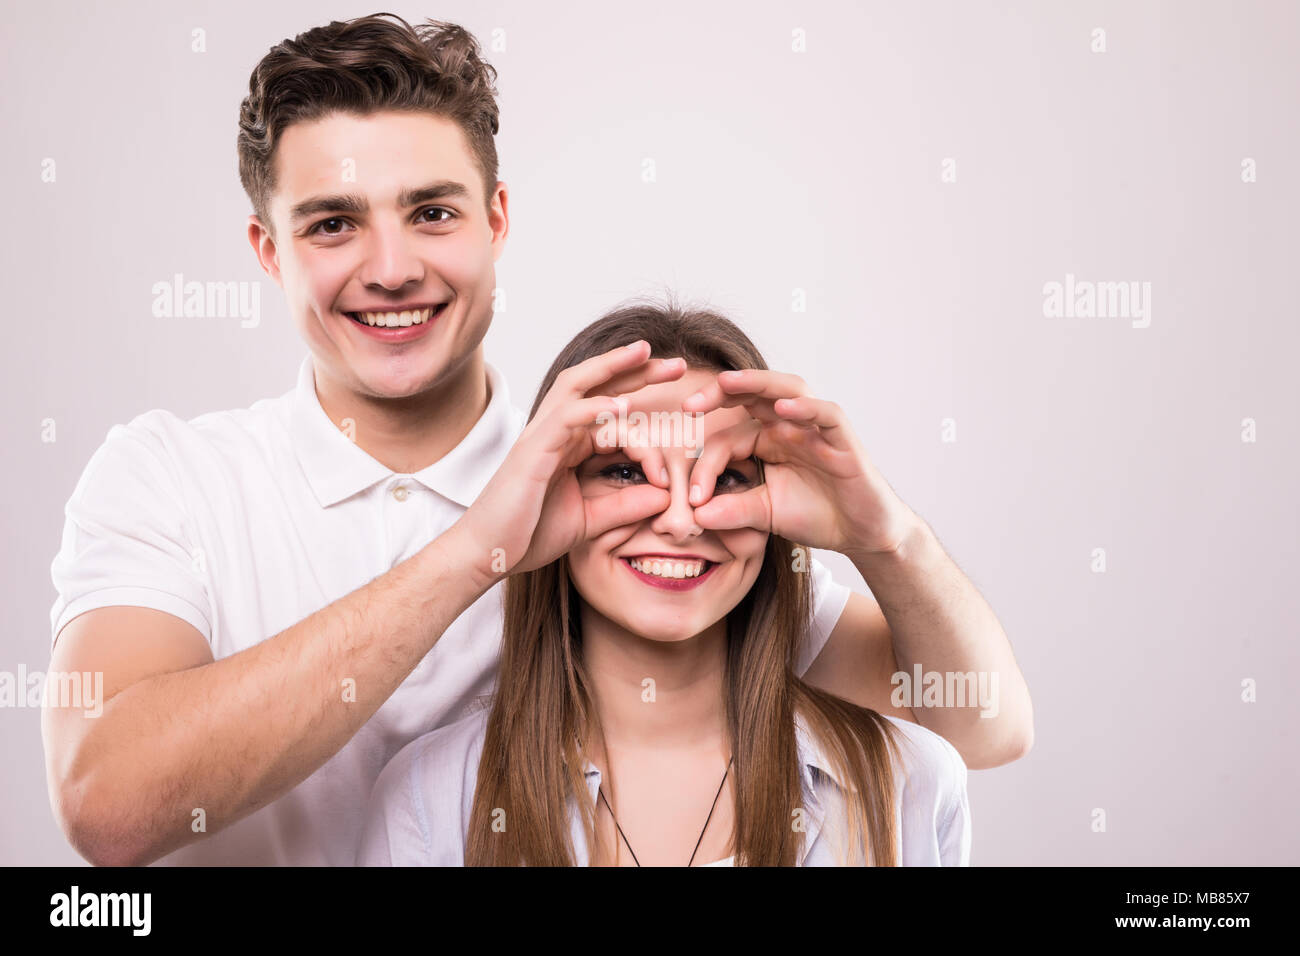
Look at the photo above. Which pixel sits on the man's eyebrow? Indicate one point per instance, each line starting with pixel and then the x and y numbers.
pixel 318 204
pixel 442 189
pixel 351 203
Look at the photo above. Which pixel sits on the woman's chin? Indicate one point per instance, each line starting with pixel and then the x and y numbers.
pixel 662 631
pixel 665 636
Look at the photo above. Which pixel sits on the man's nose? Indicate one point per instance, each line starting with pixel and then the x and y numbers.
pixel 391 261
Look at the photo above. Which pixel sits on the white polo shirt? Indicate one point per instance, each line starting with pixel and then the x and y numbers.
pixel 245 522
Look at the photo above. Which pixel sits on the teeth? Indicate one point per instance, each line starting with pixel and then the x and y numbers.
pixel 394 319
pixel 663 568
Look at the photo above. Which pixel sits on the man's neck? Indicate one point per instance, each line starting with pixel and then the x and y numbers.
pixel 682 709
pixel 407 435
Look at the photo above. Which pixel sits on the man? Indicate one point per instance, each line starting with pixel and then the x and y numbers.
pixel 281 597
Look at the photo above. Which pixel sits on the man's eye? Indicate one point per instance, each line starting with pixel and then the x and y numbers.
pixel 436 209
pixel 622 471
pixel 321 227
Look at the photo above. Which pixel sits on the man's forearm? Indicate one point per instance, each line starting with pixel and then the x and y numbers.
pixel 232 735
pixel 937 617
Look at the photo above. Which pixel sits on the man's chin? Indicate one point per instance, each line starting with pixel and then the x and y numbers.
pixel 395 377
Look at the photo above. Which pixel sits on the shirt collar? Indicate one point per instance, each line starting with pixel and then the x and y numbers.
pixel 812 764
pixel 812 758
pixel 812 761
pixel 337 468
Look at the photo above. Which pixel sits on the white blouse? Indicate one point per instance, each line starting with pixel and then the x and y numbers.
pixel 420 808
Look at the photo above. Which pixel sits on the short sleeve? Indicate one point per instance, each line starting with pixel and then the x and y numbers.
pixel 127 539
pixel 828 602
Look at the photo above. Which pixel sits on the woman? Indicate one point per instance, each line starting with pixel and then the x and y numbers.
pixel 647 710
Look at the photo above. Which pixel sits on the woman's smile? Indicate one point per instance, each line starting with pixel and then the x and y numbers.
pixel 670 572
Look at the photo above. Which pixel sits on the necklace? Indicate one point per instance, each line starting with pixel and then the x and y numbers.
pixel 601 793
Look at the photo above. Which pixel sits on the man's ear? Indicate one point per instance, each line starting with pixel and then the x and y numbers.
pixel 499 220
pixel 264 248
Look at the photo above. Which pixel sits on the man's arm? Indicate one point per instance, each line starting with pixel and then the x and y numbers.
pixel 930 613
pixel 180 731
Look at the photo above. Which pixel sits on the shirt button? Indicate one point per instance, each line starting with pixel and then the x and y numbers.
pixel 400 492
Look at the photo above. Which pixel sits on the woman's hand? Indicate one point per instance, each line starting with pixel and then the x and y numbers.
pixel 819 488
pixel 532 510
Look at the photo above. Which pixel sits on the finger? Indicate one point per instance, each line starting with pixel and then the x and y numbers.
pixel 743 386
pixel 580 412
pixel 635 442
pixel 762 381
pixel 712 396
pixel 786 441
pixel 575 425
pixel 577 380
pixel 651 459
pixel 623 507
pixel 721 449
pixel 745 509
pixel 827 417
pixel 652 372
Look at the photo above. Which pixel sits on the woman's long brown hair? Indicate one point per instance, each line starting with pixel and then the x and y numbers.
pixel 532 763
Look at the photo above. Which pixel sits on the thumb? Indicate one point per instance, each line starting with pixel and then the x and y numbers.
pixel 626 506
pixel 746 509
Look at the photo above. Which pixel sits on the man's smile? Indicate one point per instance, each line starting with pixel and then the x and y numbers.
pixel 415 314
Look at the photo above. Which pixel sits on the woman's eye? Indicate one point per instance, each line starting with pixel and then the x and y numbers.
pixel 622 471
pixel 730 480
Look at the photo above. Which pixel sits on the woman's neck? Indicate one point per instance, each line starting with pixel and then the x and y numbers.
pixel 655 695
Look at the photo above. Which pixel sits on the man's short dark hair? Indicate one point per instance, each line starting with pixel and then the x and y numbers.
pixel 363 66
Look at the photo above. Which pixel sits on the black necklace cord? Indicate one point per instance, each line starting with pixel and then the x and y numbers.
pixel 601 793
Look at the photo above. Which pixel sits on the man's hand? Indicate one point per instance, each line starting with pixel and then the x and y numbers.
pixel 819 486
pixel 821 490
pixel 532 511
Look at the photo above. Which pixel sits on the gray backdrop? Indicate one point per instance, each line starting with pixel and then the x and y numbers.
pixel 880 194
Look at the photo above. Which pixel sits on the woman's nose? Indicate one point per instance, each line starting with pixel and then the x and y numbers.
pixel 678 520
